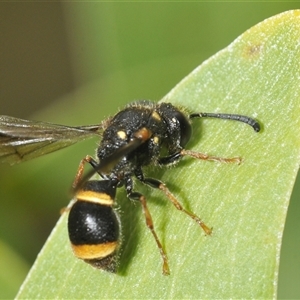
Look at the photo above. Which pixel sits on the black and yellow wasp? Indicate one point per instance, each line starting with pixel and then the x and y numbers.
pixel 143 133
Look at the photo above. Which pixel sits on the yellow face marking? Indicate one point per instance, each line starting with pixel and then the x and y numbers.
pixel 94 251
pixel 122 135
pixel 156 116
pixel 156 140
pixel 96 197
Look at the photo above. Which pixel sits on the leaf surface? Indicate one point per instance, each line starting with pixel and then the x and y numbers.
pixel 257 75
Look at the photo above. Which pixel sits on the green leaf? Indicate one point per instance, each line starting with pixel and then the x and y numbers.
pixel 257 75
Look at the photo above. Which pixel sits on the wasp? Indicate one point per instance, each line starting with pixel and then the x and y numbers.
pixel 143 133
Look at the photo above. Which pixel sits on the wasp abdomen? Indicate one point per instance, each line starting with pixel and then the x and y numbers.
pixel 94 225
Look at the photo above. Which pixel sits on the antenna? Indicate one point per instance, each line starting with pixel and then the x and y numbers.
pixel 253 123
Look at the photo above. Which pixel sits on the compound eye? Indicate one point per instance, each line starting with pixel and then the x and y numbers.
pixel 185 128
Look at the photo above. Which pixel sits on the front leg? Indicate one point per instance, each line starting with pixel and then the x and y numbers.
pixel 174 158
pixel 170 159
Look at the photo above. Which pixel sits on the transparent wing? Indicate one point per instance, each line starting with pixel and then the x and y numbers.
pixel 21 140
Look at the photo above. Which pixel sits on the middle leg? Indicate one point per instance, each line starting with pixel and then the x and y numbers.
pixel 157 184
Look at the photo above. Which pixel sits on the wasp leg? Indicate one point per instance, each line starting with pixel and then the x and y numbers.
pixel 149 222
pixel 87 159
pixel 198 155
pixel 168 160
pixel 157 184
pixel 203 156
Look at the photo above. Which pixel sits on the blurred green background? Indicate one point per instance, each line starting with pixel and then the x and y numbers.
pixel 77 63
